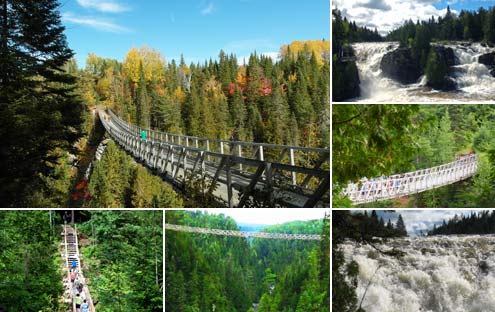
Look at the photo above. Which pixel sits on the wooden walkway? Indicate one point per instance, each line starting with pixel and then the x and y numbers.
pixel 70 254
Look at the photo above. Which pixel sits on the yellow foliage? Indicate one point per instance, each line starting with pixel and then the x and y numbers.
pixel 241 78
pixel 185 69
pixel 153 64
pixel 212 85
pixel 321 48
pixel 180 95
pixel 293 77
pixel 131 65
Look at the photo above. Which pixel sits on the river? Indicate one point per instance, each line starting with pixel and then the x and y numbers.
pixel 440 273
pixel 474 81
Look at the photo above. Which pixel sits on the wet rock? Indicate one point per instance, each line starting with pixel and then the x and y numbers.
pixel 346 77
pixel 483 267
pixel 487 58
pixel 447 84
pixel 401 66
pixel 447 54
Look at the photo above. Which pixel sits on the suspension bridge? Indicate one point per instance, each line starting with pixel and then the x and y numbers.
pixel 290 175
pixel 189 229
pixel 414 182
pixel 70 255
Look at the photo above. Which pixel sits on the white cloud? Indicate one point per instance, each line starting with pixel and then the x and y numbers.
pixel 104 6
pixel 269 215
pixel 209 9
pixel 387 15
pixel 99 24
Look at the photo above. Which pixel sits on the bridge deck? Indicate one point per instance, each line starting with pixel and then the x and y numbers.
pixel 236 166
pixel 190 229
pixel 367 191
pixel 71 253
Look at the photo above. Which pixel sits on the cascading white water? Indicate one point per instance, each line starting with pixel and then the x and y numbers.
pixel 440 273
pixel 473 79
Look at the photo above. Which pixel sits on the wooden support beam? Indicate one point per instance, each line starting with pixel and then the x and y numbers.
pixel 320 161
pixel 182 154
pixel 252 184
pixel 322 189
pixel 229 182
pixel 217 174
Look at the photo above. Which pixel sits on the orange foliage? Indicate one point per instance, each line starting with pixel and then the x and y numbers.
pixel 265 87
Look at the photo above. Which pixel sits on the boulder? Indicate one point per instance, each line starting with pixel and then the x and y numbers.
pixel 447 84
pixel 484 267
pixel 447 54
pixel 401 66
pixel 487 59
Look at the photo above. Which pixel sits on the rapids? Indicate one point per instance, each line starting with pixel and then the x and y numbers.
pixel 440 273
pixel 473 79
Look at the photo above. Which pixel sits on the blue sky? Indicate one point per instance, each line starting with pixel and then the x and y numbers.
pixel 198 29
pixel 389 14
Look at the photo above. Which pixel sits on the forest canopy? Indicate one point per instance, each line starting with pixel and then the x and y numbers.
pixel 374 140
pixel 205 272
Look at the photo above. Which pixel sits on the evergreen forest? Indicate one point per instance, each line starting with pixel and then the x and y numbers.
pixel 49 131
pixel 482 222
pixel 419 47
pixel 121 255
pixel 205 272
pixel 375 140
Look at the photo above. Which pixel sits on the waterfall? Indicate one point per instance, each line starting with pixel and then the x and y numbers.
pixel 373 84
pixel 472 77
pixel 440 273
pixel 474 81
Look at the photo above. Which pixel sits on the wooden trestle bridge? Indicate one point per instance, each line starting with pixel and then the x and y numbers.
pixel 190 229
pixel 233 166
pixel 366 191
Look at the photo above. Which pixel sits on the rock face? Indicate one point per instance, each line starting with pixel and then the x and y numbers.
pixel 447 54
pixel 488 59
pixel 401 66
pixel 345 77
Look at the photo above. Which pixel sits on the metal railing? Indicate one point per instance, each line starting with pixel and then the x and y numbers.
pixel 190 229
pixel 239 166
pixel 398 185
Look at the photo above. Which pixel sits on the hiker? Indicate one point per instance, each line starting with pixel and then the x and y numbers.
pixel 74 264
pixel 72 276
pixel 85 306
pixel 66 217
pixel 79 287
pixel 78 302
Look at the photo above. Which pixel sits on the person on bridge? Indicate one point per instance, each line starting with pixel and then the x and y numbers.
pixel 78 301
pixel 85 306
pixel 72 276
pixel 74 264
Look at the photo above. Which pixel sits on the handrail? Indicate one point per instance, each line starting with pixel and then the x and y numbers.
pixel 170 158
pixel 190 229
pixel 413 182
pixel 157 133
